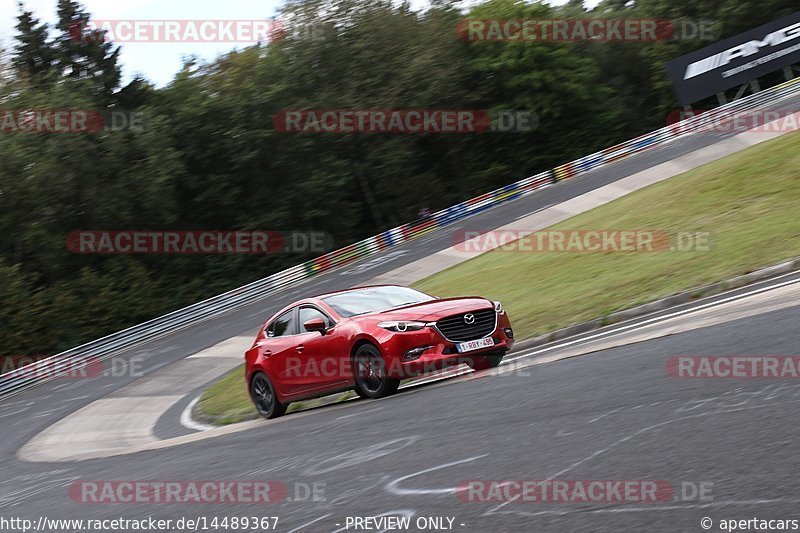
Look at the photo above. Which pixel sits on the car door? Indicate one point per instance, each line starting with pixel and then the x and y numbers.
pixel 281 343
pixel 322 358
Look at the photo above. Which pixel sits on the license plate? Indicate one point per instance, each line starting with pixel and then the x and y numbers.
pixel 470 346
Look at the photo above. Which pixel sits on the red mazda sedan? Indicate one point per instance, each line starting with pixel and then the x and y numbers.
pixel 368 339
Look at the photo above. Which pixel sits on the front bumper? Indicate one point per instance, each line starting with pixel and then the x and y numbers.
pixel 441 353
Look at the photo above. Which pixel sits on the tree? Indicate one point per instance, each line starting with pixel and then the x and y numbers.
pixel 33 55
pixel 84 54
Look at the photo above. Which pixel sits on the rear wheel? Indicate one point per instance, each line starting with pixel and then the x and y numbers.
pixel 370 369
pixel 264 398
pixel 485 362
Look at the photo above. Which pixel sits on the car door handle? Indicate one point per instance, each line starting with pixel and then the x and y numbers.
pixel 300 348
pixel 267 353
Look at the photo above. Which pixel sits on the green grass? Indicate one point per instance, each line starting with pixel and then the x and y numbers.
pixel 227 400
pixel 749 202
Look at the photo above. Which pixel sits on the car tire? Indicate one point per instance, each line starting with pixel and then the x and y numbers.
pixel 264 398
pixel 485 362
pixel 370 368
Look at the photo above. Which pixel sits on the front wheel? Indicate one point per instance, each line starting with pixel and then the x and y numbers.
pixel 485 362
pixel 371 379
pixel 264 397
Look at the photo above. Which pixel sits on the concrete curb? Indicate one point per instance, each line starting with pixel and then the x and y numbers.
pixel 663 303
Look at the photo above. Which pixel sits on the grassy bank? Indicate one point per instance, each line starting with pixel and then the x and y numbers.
pixel 226 401
pixel 749 203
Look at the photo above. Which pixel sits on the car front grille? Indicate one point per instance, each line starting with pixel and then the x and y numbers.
pixel 455 328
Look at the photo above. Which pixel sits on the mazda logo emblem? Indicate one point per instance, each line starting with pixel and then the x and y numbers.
pixel 469 318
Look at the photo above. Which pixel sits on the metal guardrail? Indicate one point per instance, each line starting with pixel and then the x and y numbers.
pixel 76 358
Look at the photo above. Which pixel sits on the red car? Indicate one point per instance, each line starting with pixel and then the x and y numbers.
pixel 368 339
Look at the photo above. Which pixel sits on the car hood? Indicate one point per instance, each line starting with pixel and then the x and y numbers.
pixel 433 310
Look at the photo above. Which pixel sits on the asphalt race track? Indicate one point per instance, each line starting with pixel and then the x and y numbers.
pixel 611 414
pixel 614 414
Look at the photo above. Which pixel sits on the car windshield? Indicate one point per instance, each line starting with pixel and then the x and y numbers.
pixel 361 301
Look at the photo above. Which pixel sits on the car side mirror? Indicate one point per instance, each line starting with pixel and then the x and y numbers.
pixel 315 324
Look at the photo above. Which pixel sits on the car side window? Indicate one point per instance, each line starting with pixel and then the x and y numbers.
pixel 283 325
pixel 307 313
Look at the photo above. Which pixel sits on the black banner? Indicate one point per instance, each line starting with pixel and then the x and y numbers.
pixel 737 60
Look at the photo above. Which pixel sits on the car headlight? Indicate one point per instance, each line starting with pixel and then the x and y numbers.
pixel 498 307
pixel 402 325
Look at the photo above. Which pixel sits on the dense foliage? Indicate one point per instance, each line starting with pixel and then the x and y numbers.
pixel 208 156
